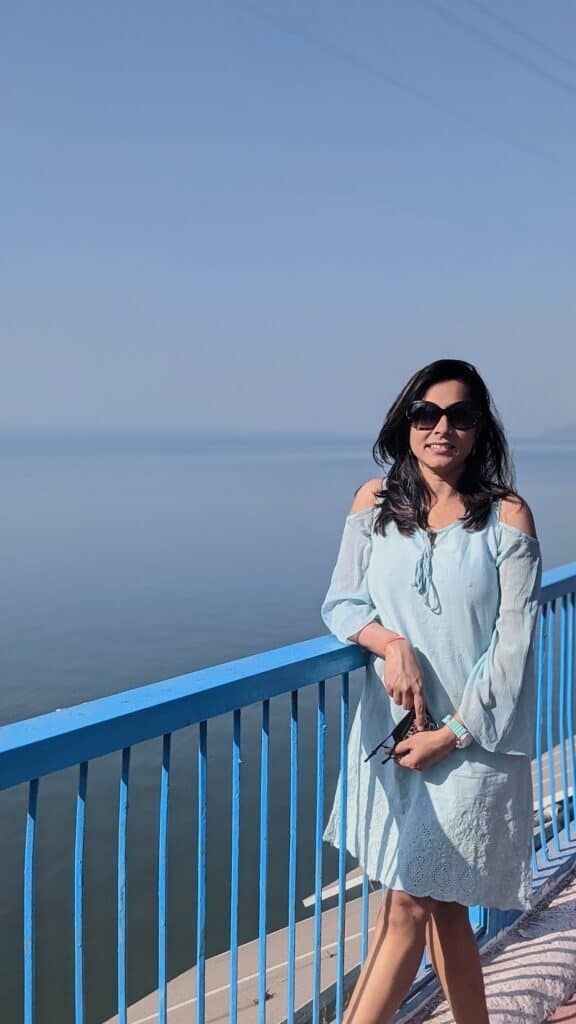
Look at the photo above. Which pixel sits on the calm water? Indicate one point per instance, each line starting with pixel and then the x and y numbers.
pixel 125 569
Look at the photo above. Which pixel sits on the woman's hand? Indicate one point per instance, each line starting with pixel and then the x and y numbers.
pixel 424 749
pixel 403 679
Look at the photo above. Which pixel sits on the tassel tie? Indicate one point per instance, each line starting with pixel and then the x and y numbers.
pixel 423 579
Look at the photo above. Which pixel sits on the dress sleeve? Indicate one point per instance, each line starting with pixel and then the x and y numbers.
pixel 498 706
pixel 348 607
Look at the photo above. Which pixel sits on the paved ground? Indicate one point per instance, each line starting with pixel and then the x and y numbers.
pixel 566 1013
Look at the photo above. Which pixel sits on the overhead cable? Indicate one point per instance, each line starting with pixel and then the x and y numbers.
pixel 522 33
pixel 485 37
pixel 351 59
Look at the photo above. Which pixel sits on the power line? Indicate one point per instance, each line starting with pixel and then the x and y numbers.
pixel 494 44
pixel 359 64
pixel 522 33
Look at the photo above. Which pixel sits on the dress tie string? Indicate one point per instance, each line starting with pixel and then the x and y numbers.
pixel 423 579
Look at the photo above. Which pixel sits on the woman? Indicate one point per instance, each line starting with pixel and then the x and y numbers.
pixel 438 576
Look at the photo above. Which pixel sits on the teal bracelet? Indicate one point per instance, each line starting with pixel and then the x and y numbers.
pixel 463 737
pixel 459 730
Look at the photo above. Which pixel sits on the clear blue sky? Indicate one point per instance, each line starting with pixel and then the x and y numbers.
pixel 237 216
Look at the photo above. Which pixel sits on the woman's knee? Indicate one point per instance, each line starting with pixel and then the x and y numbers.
pixel 404 910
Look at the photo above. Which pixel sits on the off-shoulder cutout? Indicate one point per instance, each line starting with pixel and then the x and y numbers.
pixel 509 526
pixel 361 512
pixel 370 487
pixel 520 533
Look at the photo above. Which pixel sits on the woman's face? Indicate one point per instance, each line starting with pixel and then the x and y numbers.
pixel 443 449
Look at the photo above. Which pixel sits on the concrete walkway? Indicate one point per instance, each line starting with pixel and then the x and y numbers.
pixel 566 1013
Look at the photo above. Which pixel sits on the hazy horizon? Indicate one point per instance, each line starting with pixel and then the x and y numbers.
pixel 85 441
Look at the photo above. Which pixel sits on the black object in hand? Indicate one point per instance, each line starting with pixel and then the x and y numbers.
pixel 404 728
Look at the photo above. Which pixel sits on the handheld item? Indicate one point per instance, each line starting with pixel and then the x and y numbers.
pixel 405 727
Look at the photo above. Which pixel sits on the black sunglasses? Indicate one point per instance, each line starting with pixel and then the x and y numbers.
pixel 405 727
pixel 399 732
pixel 460 415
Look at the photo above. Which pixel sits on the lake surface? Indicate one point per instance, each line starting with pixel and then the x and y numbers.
pixel 123 569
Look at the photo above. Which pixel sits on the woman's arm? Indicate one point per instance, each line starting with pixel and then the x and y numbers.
pixel 374 636
pixel 349 613
pixel 498 702
pixel 347 607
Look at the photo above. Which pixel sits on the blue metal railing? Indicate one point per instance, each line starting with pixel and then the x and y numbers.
pixel 32 749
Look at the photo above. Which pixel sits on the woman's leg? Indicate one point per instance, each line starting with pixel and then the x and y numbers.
pixel 393 959
pixel 454 954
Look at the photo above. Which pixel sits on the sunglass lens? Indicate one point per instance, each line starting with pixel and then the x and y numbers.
pixel 423 415
pixel 464 419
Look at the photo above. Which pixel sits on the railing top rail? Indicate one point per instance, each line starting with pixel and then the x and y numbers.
pixel 48 743
pixel 557 582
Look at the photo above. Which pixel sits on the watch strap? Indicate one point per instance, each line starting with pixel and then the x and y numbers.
pixel 463 737
pixel 455 726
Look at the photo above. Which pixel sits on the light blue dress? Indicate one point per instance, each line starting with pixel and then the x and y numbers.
pixel 468 603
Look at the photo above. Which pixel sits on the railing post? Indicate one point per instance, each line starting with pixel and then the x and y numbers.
pixel 29 903
pixel 342 847
pixel 79 894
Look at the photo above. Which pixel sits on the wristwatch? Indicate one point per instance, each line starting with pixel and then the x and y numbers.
pixel 463 737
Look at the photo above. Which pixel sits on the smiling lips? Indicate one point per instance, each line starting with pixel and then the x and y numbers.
pixel 441 447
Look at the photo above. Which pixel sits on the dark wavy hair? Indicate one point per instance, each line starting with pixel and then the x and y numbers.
pixel 488 473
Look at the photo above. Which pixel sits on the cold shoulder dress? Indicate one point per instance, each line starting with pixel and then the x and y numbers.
pixel 468 602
